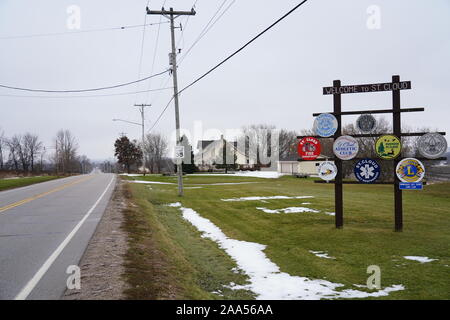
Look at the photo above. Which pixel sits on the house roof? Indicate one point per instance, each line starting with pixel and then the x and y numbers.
pixel 202 144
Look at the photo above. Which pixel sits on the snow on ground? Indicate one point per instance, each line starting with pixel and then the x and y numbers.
pixel 149 182
pixel 266 198
pixel 252 174
pixel 288 210
pixel 221 184
pixel 131 174
pixel 420 259
pixel 321 254
pixel 266 279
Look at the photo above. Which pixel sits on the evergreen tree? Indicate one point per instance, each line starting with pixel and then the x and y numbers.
pixel 127 152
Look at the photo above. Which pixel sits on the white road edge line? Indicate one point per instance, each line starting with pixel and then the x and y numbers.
pixel 23 294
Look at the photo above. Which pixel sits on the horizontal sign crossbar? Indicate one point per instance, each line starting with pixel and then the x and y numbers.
pixel 357 182
pixel 374 135
pixel 364 88
pixel 345 113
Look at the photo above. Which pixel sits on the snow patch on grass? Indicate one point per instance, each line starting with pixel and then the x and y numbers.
pixel 267 198
pixel 321 254
pixel 149 182
pixel 252 174
pixel 266 279
pixel 221 183
pixel 420 259
pixel 288 210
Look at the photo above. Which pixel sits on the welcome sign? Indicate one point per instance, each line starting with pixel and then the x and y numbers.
pixel 363 88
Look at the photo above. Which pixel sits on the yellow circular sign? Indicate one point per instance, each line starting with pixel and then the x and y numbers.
pixel 388 147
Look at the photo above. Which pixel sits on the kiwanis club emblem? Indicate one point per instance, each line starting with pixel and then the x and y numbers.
pixel 367 170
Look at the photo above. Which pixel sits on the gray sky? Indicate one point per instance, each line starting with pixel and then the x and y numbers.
pixel 277 80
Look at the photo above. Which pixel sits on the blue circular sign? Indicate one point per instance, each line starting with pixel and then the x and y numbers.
pixel 367 170
pixel 325 125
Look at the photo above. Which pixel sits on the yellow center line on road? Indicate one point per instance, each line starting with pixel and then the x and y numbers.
pixel 21 202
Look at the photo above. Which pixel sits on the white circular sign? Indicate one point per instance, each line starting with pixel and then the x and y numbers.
pixel 327 170
pixel 432 145
pixel 325 125
pixel 345 147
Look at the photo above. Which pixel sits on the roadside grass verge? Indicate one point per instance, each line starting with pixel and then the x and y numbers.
pixel 366 239
pixel 6 184
pixel 167 258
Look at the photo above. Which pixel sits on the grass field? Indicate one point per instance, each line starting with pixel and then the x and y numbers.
pixel 192 267
pixel 22 182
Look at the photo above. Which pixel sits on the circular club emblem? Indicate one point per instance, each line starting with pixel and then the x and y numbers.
pixel 367 170
pixel 345 147
pixel 309 148
pixel 432 145
pixel 410 170
pixel 325 125
pixel 388 147
pixel 327 170
pixel 366 123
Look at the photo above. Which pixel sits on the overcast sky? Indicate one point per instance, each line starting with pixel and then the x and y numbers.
pixel 277 80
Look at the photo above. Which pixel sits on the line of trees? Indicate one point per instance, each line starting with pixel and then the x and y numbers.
pixel 149 156
pixel 27 154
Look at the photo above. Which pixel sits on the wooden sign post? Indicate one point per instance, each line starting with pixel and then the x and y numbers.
pixel 337 90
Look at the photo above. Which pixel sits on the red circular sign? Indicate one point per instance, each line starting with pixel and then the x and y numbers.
pixel 309 148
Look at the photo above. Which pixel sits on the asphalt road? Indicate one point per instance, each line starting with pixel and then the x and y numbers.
pixel 44 229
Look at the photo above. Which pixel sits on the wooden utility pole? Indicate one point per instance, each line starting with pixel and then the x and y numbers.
pixel 142 111
pixel 171 14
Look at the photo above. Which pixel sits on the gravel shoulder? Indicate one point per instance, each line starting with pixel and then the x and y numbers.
pixel 102 265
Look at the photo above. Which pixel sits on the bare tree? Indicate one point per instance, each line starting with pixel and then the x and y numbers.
pixel 2 148
pixel 66 151
pixel 16 154
pixel 32 146
pixel 258 143
pixel 155 146
pixel 287 143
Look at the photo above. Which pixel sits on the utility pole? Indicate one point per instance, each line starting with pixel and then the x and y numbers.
pixel 172 15
pixel 142 111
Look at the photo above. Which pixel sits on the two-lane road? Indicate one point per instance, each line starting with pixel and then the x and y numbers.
pixel 44 228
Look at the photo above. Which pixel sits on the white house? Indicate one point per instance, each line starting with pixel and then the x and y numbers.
pixel 291 165
pixel 210 153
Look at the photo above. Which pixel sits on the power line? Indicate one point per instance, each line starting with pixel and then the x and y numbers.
pixel 207 27
pixel 142 48
pixel 243 47
pixel 164 83
pixel 83 90
pixel 79 31
pixel 229 57
pixel 160 115
pixel 154 53
pixel 84 96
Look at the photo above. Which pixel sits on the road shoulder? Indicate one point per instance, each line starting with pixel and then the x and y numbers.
pixel 102 265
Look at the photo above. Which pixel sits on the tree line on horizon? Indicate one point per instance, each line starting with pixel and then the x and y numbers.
pixel 27 154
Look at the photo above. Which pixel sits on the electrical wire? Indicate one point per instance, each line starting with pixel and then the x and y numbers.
pixel 160 115
pixel 229 57
pixel 79 31
pixel 243 47
pixel 84 90
pixel 207 28
pixel 154 55
pixel 142 50
pixel 83 96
